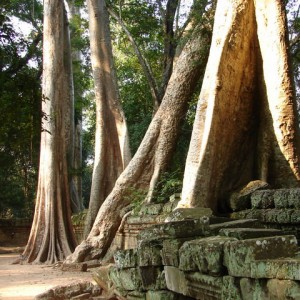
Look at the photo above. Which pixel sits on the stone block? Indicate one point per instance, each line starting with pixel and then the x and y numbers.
pixel 175 280
pixel 153 278
pixel 204 255
pixel 136 296
pixel 149 252
pixel 280 216
pixel 126 258
pixel 180 214
pixel 145 219
pixel 101 276
pixel 231 288
pixel 179 229
pixel 253 289
pixel 252 223
pixel 160 295
pixel 169 207
pixel 255 214
pixel 175 197
pixel 238 255
pixel 241 199
pixel 288 268
pixel 126 279
pixel 169 252
pixel 202 286
pixel 250 233
pixel 283 289
pixel 287 198
pixel 269 289
pixel 262 199
pixel 194 285
pixel 151 209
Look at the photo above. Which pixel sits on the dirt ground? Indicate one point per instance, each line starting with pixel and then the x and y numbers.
pixel 23 282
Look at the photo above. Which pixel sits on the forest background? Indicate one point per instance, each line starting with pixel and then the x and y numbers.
pixel 21 94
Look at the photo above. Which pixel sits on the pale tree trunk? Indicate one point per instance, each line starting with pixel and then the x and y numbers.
pixel 112 152
pixel 52 238
pixel 245 125
pixel 76 125
pixel 69 109
pixel 154 152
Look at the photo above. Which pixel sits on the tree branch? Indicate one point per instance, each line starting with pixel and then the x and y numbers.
pixel 23 61
pixel 143 61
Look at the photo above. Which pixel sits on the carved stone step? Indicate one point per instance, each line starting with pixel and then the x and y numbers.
pixel 194 285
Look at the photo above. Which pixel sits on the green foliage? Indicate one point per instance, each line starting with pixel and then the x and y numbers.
pixel 136 198
pixel 169 184
pixel 79 219
pixel 20 96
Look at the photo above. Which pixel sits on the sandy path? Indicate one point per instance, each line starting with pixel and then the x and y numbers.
pixel 26 281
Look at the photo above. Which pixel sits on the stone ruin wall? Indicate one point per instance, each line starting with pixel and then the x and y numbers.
pixel 254 254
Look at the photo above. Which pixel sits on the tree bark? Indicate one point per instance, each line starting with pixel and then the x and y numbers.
pixel 52 238
pixel 112 152
pixel 76 125
pixel 245 125
pixel 154 152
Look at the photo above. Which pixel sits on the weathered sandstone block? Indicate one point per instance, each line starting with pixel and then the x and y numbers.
pixel 231 288
pixel 153 278
pixel 287 198
pixel 285 268
pixel 250 233
pixel 149 253
pixel 238 255
pixel 194 285
pixel 170 251
pixel 241 199
pixel 180 214
pixel 126 258
pixel 215 228
pixel 205 255
pixel 263 199
pixel 269 289
pixel 176 229
pixel 126 279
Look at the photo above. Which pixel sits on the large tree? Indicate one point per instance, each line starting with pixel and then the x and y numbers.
pixel 155 151
pixel 112 152
pixel 246 124
pixel 52 238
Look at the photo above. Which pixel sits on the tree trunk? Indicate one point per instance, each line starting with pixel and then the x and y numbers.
pixel 75 155
pixel 154 152
pixel 52 238
pixel 245 125
pixel 112 152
